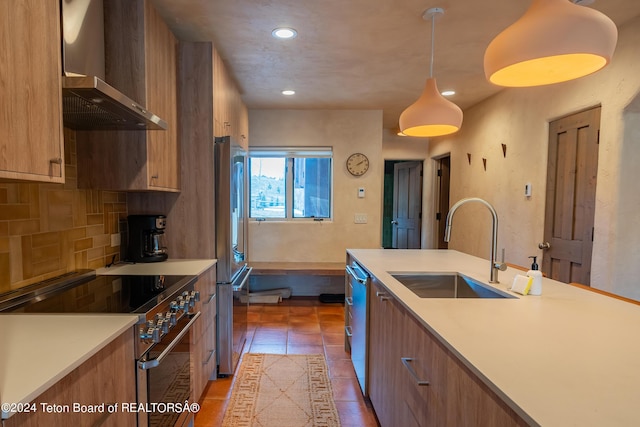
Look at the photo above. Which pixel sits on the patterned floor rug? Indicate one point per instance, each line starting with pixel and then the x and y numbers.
pixel 282 390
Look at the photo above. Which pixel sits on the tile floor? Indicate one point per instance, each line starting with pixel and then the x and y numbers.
pixel 297 326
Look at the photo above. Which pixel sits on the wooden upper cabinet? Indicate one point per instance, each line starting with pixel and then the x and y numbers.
pixel 161 57
pixel 140 60
pixel 220 97
pixel 31 139
pixel 230 115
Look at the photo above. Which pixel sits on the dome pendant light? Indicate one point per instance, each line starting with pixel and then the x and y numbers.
pixel 554 41
pixel 432 114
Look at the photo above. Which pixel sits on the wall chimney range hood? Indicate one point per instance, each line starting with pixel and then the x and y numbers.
pixel 88 102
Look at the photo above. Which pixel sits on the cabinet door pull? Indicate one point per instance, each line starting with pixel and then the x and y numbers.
pixel 211 353
pixel 349 300
pixel 382 295
pixel 211 297
pixel 347 330
pixel 57 161
pixel 412 372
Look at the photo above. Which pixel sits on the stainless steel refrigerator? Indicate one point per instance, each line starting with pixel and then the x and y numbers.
pixel 231 242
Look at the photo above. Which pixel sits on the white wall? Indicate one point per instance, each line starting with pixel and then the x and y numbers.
pixel 519 118
pixel 347 131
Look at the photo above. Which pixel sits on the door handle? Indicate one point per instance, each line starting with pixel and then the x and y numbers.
pixel 394 222
pixel 544 245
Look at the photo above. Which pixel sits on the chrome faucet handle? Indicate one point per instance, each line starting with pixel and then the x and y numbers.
pixel 500 266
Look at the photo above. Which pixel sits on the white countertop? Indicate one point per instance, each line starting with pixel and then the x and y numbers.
pixel 192 267
pixel 569 357
pixel 38 350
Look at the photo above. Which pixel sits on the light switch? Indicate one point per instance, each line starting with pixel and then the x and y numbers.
pixel 360 218
pixel 361 193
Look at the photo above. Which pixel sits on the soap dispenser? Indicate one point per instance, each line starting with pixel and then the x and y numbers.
pixel 536 286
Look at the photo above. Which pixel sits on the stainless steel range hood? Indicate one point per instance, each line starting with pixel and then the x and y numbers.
pixel 88 102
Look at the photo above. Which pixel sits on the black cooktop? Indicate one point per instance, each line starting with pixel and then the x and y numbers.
pixel 84 292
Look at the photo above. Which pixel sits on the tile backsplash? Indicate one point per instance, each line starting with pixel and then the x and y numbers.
pixel 50 229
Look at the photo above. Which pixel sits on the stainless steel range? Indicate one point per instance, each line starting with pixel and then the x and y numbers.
pixel 165 306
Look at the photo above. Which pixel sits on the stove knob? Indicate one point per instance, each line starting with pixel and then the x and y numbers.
pixel 173 305
pixel 188 302
pixel 183 304
pixel 164 326
pixel 155 335
pixel 170 319
pixel 195 295
pixel 146 332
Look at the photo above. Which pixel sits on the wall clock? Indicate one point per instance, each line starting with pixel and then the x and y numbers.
pixel 357 164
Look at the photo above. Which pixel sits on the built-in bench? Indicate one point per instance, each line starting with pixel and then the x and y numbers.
pixel 303 278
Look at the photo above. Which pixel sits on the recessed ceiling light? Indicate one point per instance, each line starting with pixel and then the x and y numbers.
pixel 284 33
pixel 288 92
pixel 448 92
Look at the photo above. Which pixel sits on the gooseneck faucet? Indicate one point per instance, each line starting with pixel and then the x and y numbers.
pixel 495 266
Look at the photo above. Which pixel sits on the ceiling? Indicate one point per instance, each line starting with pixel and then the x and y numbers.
pixel 354 54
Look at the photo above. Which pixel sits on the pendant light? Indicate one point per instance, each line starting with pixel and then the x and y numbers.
pixel 432 114
pixel 554 41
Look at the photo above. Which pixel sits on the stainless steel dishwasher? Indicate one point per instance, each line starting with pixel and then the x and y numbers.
pixel 358 307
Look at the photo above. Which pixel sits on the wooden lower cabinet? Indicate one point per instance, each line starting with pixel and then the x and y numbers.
pixel 204 334
pixel 107 377
pixel 385 322
pixel 424 375
pixel 415 381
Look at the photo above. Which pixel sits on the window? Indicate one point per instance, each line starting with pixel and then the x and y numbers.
pixel 290 183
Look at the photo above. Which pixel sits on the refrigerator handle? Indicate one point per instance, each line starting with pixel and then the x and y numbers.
pixel 244 281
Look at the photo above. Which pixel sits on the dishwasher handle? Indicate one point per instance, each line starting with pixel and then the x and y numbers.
pixel 352 273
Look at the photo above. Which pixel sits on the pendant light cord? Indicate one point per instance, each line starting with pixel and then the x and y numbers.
pixel 433 35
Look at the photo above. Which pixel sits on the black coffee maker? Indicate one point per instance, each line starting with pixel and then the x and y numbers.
pixel 146 238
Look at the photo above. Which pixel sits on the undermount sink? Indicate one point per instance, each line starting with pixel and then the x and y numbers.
pixel 446 285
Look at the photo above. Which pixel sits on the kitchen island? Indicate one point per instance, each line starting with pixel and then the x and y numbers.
pixel 567 357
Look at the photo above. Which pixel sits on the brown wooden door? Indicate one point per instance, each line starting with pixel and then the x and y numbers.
pixel 407 205
pixel 444 180
pixel 571 190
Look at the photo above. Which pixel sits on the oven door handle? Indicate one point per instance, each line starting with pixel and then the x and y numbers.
pixel 244 280
pixel 148 364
